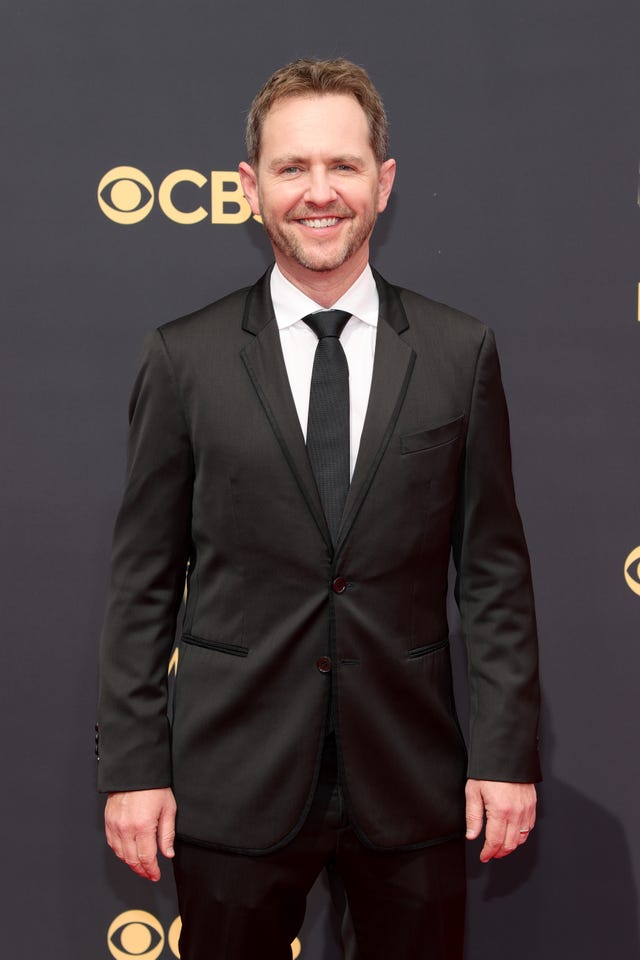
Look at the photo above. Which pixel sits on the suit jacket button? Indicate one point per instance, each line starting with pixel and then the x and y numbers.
pixel 324 665
pixel 339 585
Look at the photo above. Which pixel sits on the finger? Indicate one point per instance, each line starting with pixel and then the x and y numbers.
pixel 146 856
pixel 523 836
pixel 474 811
pixel 517 829
pixel 511 840
pixel 528 825
pixel 122 842
pixel 130 854
pixel 528 822
pixel 494 837
pixel 114 842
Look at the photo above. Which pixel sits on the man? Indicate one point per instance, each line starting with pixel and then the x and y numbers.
pixel 313 720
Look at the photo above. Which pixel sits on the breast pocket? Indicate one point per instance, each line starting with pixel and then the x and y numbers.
pixel 430 459
pixel 432 438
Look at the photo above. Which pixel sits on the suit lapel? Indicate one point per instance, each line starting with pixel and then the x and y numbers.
pixel 265 365
pixel 392 367
pixel 393 364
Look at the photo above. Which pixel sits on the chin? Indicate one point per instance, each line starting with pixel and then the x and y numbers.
pixel 317 260
pixel 319 265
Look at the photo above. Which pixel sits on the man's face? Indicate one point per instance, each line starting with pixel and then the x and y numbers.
pixel 317 185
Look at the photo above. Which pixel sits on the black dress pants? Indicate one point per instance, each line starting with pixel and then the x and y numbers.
pixel 402 906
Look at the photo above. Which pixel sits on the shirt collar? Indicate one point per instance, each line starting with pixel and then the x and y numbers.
pixel 290 304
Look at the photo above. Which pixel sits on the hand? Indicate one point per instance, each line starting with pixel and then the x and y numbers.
pixel 137 823
pixel 510 811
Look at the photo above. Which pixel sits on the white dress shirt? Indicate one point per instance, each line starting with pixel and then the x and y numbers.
pixel 358 341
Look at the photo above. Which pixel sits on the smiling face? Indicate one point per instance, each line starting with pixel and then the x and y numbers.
pixel 318 187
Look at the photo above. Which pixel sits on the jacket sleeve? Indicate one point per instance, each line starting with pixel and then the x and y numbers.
pixel 150 553
pixel 494 591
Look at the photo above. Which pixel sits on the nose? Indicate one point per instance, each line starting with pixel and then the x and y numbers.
pixel 319 190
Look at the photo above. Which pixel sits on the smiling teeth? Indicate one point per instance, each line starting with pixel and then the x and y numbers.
pixel 325 222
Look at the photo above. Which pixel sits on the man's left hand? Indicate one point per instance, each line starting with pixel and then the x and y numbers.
pixel 510 810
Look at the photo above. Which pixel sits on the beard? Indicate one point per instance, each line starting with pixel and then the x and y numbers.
pixel 319 257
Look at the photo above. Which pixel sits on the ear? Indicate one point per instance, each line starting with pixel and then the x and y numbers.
pixel 249 181
pixel 386 176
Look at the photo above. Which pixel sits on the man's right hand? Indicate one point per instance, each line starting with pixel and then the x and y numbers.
pixel 137 824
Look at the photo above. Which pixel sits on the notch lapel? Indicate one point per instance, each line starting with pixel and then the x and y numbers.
pixel 264 361
pixel 392 368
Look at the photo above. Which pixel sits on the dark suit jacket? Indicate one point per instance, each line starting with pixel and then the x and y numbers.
pixel 278 621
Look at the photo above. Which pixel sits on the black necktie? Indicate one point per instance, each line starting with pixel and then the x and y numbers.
pixel 328 423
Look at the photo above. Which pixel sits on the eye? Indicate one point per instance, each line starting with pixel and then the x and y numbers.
pixel 135 933
pixel 125 195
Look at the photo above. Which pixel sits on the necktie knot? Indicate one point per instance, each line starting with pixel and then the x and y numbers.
pixel 327 323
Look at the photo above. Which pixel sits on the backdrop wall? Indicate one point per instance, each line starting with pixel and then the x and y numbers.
pixel 515 127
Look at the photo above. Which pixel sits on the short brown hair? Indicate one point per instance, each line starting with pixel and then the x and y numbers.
pixel 304 78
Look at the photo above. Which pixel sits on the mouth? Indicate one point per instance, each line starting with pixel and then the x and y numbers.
pixel 319 223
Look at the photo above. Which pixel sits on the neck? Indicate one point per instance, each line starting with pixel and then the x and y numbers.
pixel 327 287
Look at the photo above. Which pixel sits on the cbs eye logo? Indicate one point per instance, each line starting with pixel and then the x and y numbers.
pixel 126 195
pixel 121 196
pixel 632 570
pixel 137 933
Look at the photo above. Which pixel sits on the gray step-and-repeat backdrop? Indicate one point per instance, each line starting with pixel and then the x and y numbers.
pixel 516 130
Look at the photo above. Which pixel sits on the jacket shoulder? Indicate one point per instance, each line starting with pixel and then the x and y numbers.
pixel 423 312
pixel 221 314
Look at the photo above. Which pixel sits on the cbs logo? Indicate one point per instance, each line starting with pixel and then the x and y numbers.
pixel 632 570
pixel 136 933
pixel 126 195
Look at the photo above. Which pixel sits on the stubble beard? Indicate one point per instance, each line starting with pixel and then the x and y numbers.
pixel 317 259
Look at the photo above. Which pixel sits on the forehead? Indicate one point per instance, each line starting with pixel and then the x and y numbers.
pixel 333 122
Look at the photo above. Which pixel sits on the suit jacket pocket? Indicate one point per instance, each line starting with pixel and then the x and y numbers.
pixel 433 437
pixel 416 652
pixel 235 649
